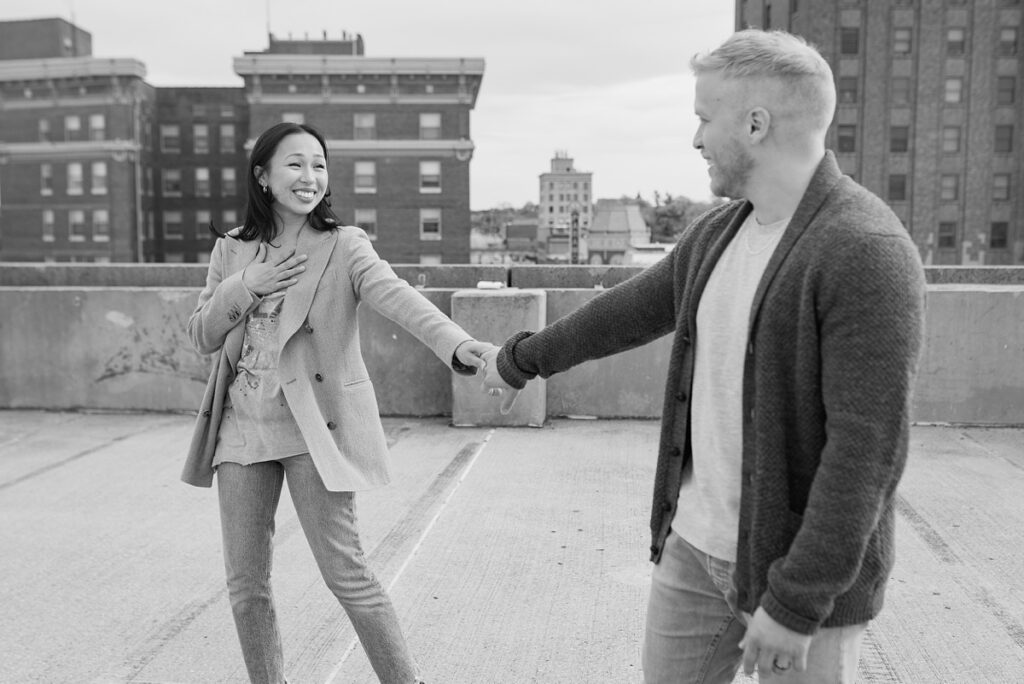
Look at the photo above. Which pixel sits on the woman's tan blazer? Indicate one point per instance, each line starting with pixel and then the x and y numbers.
pixel 321 367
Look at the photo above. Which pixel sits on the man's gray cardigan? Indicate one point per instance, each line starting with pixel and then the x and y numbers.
pixel 834 339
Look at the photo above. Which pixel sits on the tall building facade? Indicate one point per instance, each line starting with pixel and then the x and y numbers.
pixel 930 112
pixel 398 137
pixel 566 200
pixel 98 165
pixel 71 148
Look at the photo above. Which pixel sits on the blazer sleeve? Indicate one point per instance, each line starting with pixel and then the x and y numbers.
pixel 223 304
pixel 376 284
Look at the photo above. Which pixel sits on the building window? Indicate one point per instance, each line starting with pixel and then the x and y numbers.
pixel 366 176
pixel 1006 90
pixel 45 179
pixel 172 225
pixel 293 117
pixel 430 126
pixel 430 224
pixel 228 182
pixel 367 220
pixel 1008 41
pixel 75 178
pixel 949 187
pixel 227 138
pixel 100 225
pixel 202 223
pixel 951 139
pixel 849 40
pixel 170 182
pixel 44 130
pixel 430 259
pixel 1001 187
pixel 227 111
pixel 229 217
pixel 198 111
pixel 76 225
pixel 201 138
pixel 364 126
pixel 954 90
pixel 901 41
pixel 170 138
pixel 847 89
pixel 430 176
pixel 901 90
pixel 97 127
pixel 1004 139
pixel 48 230
pixel 899 138
pixel 955 42
pixel 846 138
pixel 72 127
pixel 947 235
pixel 99 178
pixel 202 182
pixel 998 235
pixel 897 187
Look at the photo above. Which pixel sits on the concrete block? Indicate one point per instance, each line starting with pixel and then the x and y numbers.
pixel 492 316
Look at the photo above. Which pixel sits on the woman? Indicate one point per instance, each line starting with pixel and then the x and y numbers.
pixel 289 396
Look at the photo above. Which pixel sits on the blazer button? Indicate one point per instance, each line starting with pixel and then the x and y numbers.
pixel 309 328
pixel 331 425
pixel 206 414
pixel 319 378
pixel 654 548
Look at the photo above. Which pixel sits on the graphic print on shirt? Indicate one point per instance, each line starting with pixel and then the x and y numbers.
pixel 259 353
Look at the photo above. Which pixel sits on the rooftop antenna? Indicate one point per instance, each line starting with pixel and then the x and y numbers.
pixel 269 34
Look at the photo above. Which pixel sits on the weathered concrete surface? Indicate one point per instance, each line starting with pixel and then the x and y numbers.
pixel 497 315
pixel 512 555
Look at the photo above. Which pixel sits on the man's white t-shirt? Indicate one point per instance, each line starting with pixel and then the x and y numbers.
pixel 709 500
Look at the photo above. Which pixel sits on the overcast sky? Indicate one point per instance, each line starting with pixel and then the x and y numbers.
pixel 605 80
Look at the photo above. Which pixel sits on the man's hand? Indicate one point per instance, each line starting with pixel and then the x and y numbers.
pixel 471 353
pixel 495 385
pixel 772 647
pixel 264 277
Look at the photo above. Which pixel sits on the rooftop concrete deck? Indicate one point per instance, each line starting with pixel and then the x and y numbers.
pixel 512 555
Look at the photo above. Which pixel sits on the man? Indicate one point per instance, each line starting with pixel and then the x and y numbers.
pixel 798 317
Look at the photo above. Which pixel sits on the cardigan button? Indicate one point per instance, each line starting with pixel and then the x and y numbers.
pixel 666 506
pixel 680 396
pixel 676 451
pixel 331 425
pixel 319 378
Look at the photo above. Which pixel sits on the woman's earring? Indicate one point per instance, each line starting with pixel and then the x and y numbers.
pixel 263 186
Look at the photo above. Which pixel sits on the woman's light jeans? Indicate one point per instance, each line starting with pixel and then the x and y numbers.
pixel 248 501
pixel 694 628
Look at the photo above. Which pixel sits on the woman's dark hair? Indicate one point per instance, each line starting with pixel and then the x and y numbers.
pixel 259 213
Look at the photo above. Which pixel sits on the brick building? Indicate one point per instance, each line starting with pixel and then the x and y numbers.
pixel 71 158
pixel 98 165
pixel 930 112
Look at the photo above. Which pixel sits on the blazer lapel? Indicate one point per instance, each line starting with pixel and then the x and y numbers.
pixel 318 245
pixel 239 255
pixel 824 179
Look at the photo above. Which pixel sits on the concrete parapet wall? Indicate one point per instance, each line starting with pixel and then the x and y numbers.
pixel 126 348
pixel 16 274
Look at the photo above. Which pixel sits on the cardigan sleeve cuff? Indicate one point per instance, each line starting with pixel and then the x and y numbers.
pixel 785 617
pixel 507 368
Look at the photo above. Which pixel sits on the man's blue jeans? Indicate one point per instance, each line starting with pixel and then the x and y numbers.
pixel 694 628
pixel 248 501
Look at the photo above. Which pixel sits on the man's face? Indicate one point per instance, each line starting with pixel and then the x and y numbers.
pixel 719 137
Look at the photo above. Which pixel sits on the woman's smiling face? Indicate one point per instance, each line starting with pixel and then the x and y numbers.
pixel 296 175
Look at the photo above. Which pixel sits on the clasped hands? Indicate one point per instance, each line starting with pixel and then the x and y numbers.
pixel 484 356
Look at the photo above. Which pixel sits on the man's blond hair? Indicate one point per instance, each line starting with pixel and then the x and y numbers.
pixel 778 57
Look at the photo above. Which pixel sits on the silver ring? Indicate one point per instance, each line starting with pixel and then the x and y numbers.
pixel 779 668
pixel 494 391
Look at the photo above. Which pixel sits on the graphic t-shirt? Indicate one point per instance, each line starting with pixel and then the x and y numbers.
pixel 257 424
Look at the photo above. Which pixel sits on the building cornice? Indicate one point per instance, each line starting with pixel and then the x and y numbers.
pixel 118 150
pixel 462 150
pixel 70 67
pixel 250 65
pixel 42 102
pixel 351 99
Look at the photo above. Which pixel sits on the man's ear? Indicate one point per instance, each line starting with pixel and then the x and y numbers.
pixel 758 122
